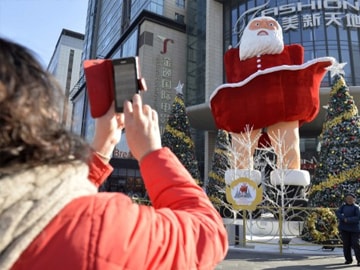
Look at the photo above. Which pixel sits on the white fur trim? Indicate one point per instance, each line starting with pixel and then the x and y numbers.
pixel 290 177
pixel 233 174
pixel 270 70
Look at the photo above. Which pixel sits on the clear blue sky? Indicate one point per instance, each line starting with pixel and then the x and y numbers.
pixel 37 24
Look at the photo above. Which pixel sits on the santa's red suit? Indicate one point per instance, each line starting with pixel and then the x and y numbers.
pixel 268 89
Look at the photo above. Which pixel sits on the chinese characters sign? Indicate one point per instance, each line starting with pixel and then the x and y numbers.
pixel 316 13
pixel 163 84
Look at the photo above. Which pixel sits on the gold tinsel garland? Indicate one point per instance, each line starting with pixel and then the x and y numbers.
pixel 339 119
pixel 354 111
pixel 333 180
pixel 215 200
pixel 180 135
pixel 180 101
pixel 340 83
pixel 216 177
pixel 220 151
pixel 224 153
pixel 329 221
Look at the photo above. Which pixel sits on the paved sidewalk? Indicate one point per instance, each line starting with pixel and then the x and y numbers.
pixel 296 246
pixel 298 255
pixel 262 250
pixel 247 259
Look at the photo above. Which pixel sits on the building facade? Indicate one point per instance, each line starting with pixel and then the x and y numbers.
pixel 153 30
pixel 184 41
pixel 65 65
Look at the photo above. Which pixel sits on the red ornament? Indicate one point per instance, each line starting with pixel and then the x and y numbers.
pixel 244 188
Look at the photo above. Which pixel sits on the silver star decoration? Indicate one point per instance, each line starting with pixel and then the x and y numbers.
pixel 336 68
pixel 179 88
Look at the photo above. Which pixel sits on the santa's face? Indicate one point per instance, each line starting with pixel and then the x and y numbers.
pixel 261 36
pixel 262 25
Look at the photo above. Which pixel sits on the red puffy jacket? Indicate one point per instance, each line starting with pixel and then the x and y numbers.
pixel 107 231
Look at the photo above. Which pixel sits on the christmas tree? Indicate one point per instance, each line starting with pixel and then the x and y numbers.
pixel 215 188
pixel 338 169
pixel 177 135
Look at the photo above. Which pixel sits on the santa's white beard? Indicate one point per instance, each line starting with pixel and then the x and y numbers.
pixel 251 44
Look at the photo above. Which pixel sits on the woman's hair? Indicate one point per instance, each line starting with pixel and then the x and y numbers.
pixel 31 132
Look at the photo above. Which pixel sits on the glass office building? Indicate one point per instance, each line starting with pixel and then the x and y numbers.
pixel 322 27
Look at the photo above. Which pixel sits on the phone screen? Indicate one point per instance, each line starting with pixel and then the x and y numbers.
pixel 125 80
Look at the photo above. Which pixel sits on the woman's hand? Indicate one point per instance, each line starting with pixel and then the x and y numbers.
pixel 142 128
pixel 108 129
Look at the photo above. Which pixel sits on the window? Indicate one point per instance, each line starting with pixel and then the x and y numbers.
pixel 130 44
pixel 180 3
pixel 69 72
pixel 89 128
pixel 179 18
pixel 78 111
pixel 146 38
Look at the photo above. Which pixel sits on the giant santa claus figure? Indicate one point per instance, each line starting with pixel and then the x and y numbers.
pixel 269 86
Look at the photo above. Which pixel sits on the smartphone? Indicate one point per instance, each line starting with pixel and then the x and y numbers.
pixel 126 80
